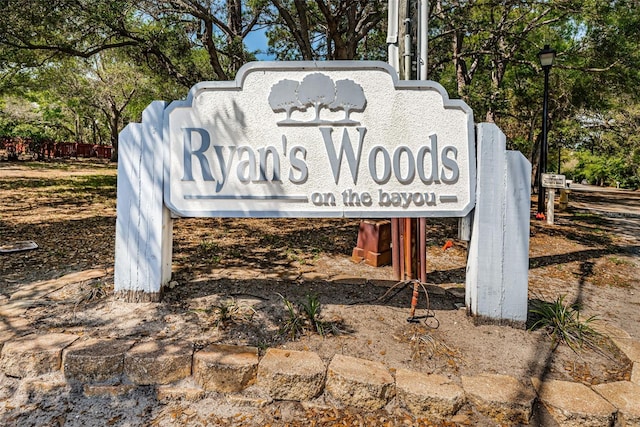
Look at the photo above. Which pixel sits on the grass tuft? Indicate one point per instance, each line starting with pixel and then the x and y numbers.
pixel 95 290
pixel 293 325
pixel 563 324
pixel 305 317
pixel 230 311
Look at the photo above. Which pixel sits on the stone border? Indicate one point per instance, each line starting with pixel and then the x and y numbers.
pixel 104 366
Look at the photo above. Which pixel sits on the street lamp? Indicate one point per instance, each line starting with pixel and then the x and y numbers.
pixel 546 56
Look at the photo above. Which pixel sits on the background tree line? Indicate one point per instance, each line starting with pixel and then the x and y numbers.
pixel 81 69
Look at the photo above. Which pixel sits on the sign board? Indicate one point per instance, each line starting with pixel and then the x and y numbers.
pixel 325 139
pixel 550 180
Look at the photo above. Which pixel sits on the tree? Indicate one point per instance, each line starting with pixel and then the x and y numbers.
pixel 485 52
pixel 168 35
pixel 318 90
pixel 487 38
pixel 171 38
pixel 349 97
pixel 601 114
pixel 77 59
pixel 217 27
pixel 321 29
pixel 117 91
pixel 284 97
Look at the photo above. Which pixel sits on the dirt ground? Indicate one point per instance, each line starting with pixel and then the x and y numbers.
pixel 232 278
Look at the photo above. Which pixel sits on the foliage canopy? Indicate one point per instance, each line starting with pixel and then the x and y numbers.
pixel 82 69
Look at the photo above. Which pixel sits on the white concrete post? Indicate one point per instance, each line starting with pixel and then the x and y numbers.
pixel 498 263
pixel 143 226
pixel 551 192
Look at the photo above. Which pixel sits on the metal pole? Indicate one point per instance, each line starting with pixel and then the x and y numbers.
pixel 407 43
pixel 408 248
pixel 405 224
pixel 543 146
pixel 396 245
pixel 423 44
pixel 422 246
pixel 423 38
pixel 394 61
pixel 402 249
pixel 392 35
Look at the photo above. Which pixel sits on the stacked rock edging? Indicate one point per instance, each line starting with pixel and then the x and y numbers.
pixel 112 366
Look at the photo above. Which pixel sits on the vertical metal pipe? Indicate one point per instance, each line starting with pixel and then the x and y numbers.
pixel 559 155
pixel 394 60
pixel 402 248
pixel 392 35
pixel 396 259
pixel 408 248
pixel 407 43
pixel 423 45
pixel 405 223
pixel 414 301
pixel 422 245
pixel 543 146
pixel 423 38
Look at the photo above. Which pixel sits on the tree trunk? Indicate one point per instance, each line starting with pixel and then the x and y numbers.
pixel 213 51
pixel 305 45
pixel 497 75
pixel 79 136
pixel 236 49
pixel 300 32
pixel 114 121
pixel 460 65
pixel 535 162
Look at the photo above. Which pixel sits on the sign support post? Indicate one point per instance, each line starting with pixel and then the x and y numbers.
pixel 144 227
pixel 550 202
pixel 498 261
pixel 552 181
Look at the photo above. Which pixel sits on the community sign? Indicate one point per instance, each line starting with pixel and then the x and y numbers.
pixel 319 139
pixel 550 180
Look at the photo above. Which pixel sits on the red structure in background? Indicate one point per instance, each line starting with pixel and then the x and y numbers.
pixel 374 243
pixel 47 149
pixel 14 146
pixel 91 150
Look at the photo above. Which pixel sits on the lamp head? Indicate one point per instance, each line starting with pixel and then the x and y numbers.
pixel 547 56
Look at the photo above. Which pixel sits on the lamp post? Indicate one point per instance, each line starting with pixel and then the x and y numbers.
pixel 559 157
pixel 546 56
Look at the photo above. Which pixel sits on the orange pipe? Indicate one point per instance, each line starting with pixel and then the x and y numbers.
pixel 414 300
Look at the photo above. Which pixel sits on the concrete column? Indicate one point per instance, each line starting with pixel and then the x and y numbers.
pixel 498 263
pixel 143 226
pixel 550 201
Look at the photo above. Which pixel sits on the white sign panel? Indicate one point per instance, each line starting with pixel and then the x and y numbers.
pixel 550 180
pixel 319 139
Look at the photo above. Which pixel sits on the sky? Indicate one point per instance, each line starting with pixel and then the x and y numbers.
pixel 257 40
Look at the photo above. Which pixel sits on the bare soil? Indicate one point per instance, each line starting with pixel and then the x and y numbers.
pixel 231 278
